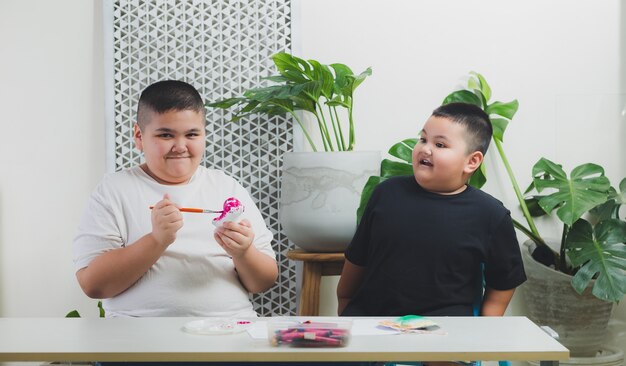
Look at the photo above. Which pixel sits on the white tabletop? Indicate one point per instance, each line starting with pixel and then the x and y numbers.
pixel 162 339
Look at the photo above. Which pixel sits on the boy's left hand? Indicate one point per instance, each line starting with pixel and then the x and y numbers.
pixel 235 238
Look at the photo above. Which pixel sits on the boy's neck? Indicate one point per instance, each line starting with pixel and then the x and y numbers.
pixel 447 192
pixel 147 170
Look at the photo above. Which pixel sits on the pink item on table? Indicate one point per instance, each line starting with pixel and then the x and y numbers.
pixel 232 210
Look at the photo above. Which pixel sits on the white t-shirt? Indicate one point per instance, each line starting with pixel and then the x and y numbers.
pixel 194 276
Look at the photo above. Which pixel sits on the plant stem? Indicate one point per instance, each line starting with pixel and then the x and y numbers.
pixel 351 134
pixel 518 192
pixel 343 141
pixel 321 126
pixel 334 123
pixel 562 265
pixel 308 137
pixel 325 127
pixel 538 240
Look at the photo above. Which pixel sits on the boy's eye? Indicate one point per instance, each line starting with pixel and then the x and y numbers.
pixel 440 144
pixel 165 135
pixel 421 140
pixel 193 134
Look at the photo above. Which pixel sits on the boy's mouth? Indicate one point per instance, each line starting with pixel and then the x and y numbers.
pixel 426 162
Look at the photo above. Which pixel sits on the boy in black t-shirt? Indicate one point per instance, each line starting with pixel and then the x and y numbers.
pixel 426 242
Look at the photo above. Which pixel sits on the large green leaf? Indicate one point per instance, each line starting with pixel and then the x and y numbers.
pixel 292 68
pixel 482 84
pixel 276 78
pixel 607 210
pixel 322 74
pixel 499 126
pixel 403 150
pixel 586 188
pixel 358 79
pixel 600 252
pixel 226 103
pixel 506 110
pixel 313 90
pixel 301 102
pixel 390 168
pixel 252 104
pixel 479 178
pixel 342 83
pixel 620 196
pixel 266 93
pixel 463 96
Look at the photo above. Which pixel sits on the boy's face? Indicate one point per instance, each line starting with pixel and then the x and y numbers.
pixel 441 162
pixel 173 144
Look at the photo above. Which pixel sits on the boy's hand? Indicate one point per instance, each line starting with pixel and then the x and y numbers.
pixel 235 238
pixel 166 221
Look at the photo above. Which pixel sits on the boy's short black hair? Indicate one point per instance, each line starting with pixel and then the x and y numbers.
pixel 167 95
pixel 475 120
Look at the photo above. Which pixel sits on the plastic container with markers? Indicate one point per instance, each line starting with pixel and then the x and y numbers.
pixel 314 332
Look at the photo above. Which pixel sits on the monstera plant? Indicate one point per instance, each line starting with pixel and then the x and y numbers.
pixel 325 92
pixel 593 235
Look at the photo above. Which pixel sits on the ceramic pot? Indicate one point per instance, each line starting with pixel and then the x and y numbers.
pixel 580 320
pixel 320 193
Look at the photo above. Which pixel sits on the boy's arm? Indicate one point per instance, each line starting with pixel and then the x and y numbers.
pixel 495 302
pixel 257 271
pixel 349 282
pixel 114 271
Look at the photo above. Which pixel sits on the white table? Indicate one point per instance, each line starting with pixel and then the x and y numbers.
pixel 161 339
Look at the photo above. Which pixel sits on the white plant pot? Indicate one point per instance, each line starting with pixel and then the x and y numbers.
pixel 320 193
pixel 580 320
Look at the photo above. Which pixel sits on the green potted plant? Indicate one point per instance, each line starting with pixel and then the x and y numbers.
pixel 591 255
pixel 320 190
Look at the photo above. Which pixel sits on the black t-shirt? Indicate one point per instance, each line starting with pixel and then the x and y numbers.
pixel 424 253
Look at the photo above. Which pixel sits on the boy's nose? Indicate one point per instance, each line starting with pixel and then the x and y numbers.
pixel 179 147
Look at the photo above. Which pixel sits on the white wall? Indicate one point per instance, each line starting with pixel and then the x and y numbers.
pixel 51 150
pixel 563 60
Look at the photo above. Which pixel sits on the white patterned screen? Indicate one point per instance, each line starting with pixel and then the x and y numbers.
pixel 221 47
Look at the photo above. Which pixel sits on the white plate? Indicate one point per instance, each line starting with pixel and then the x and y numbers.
pixel 217 326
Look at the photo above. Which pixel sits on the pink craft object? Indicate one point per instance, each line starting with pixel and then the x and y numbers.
pixel 232 210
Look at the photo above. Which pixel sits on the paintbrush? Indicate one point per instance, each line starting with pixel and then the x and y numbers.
pixel 195 210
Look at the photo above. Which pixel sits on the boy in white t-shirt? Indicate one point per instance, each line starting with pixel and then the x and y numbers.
pixel 164 262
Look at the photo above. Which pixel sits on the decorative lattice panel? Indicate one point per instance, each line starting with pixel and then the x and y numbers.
pixel 222 47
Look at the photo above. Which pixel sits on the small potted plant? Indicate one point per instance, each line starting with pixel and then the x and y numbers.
pixel 586 274
pixel 320 191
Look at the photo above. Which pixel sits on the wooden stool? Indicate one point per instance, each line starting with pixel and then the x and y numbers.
pixel 315 266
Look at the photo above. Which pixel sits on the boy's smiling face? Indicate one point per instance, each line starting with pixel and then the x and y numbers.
pixel 441 162
pixel 173 143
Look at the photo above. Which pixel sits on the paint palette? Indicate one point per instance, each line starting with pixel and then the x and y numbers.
pixel 214 326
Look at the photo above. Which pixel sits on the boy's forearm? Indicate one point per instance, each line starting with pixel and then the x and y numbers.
pixel 116 270
pixel 350 280
pixel 495 302
pixel 257 271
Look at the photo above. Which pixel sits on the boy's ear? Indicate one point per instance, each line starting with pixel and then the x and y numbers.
pixel 473 162
pixel 138 137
